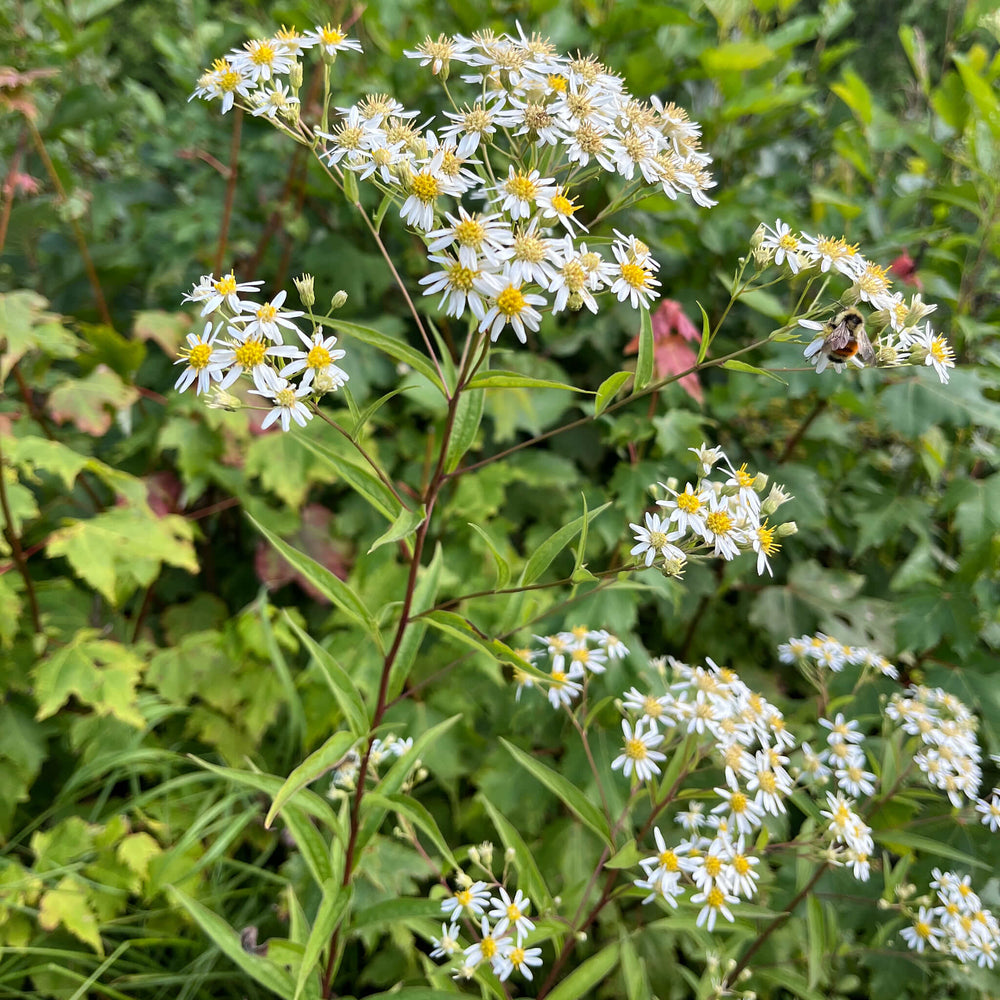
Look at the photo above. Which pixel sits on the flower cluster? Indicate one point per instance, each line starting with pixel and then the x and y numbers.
pixel 950 756
pixel 901 337
pixel 498 923
pixel 721 516
pixel 957 924
pixel 573 655
pixel 253 347
pixel 539 126
pixel 823 652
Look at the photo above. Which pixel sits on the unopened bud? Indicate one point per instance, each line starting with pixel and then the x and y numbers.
pixel 760 482
pixel 758 237
pixel 295 76
pixel 486 853
pixel 305 284
pixel 787 529
pixel 473 854
pixel 219 399
pixel 509 856
pixel 338 300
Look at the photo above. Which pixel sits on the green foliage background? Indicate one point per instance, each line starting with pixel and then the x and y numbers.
pixel 149 636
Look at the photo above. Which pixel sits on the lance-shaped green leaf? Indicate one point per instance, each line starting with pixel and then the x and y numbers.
pixel 327 583
pixel 555 543
pixel 608 389
pixel 644 363
pixel 741 366
pixel 373 812
pixel 331 753
pixel 587 975
pixel 706 334
pixel 468 416
pixel 344 689
pixel 228 942
pixel 417 814
pixel 383 915
pixel 515 380
pixel 405 524
pixel 310 843
pixel 503 570
pixel 424 597
pixel 465 632
pixel 898 840
pixel 332 908
pixel 529 875
pixel 397 349
pixel 350 467
pixel 564 790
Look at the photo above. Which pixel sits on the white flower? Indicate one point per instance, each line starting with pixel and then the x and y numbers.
pixel 638 755
pixel 687 510
pixel 634 279
pixel 514 957
pixel 488 947
pixel 288 405
pixel 715 901
pixel 519 192
pixel 784 243
pixel 471 900
pixel 213 292
pixel 332 40
pixel 923 931
pixel 461 284
pixel 554 203
pixel 317 361
pixel 511 913
pixel 446 945
pixel 269 318
pixel 652 540
pixel 199 355
pixel 512 306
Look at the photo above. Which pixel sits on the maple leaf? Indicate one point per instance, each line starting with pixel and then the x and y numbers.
pixel 67 904
pixel 91 402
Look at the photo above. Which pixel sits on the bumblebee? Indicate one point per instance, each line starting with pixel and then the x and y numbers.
pixel 845 337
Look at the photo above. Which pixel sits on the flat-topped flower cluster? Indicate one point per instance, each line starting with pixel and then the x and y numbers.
pixel 721 516
pixel 898 331
pixel 252 346
pixel 499 187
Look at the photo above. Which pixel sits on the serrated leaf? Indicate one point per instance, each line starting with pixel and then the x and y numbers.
pixel 136 851
pixel 587 975
pixel 405 524
pixel 332 908
pixel 607 391
pixel 555 543
pixel 90 403
pixel 121 549
pixel 564 790
pixel 397 349
pixel 228 942
pixel 465 427
pixel 515 380
pixel 741 366
pixel 314 766
pixel 100 673
pixel 67 905
pixel 644 363
pixel 327 583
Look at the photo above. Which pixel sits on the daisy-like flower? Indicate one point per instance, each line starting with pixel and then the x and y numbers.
pixel 426 185
pixel 784 243
pixel 924 931
pixel 250 355
pixel 872 284
pixel 633 279
pixel 511 306
pixel 269 318
pixel 842 730
pixel 741 872
pixel 473 125
pixel 225 80
pixel 199 357
pixel 518 193
pixel 516 958
pixel 261 59
pixel 511 913
pixel 287 400
pixel 554 203
pixel 214 292
pixel 989 809
pixel 938 353
pixel 274 100
pixel 317 361
pixel 652 540
pixel 353 139
pixel 529 256
pixel 479 238
pixel 436 54
pixel 461 285
pixel 743 814
pixel 488 947
pixel 713 902
pixel 470 901
pixel 638 756
pixel 332 40
pixel 855 781
pixel 721 529
pixel 562 689
pixel 446 945
pixel 765 544
pixel 834 253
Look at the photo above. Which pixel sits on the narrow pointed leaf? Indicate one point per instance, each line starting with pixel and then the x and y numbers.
pixel 555 543
pixel 468 416
pixel 405 524
pixel 644 364
pixel 608 389
pixel 315 765
pixel 334 904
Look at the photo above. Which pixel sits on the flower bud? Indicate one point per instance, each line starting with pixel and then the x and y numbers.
pixel 305 285
pixel 338 300
pixel 787 529
pixel 509 856
pixel 295 76
pixel 219 399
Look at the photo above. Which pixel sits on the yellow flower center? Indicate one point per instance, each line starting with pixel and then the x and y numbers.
pixel 738 802
pixel 716 897
pixel 923 929
pixel 741 865
pixel 563 205
pixel 657 539
pixel 556 82
pixel 516 956
pixel 461 277
pixel 690 503
pixel 719 522
pixel 199 356
pixel 425 187
pixel 634 275
pixel 635 749
pixel 510 301
pixel 266 313
pixel 226 285
pixel 513 913
pixel 713 866
pixel 318 357
pixel 250 354
pixel 470 233
pixel 261 53
pixel 767 781
pixel 331 36
pixel 488 947
pixel 521 186
pixel 464 897
pixel 285 397
pixel 652 707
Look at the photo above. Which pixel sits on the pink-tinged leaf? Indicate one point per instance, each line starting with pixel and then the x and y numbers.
pixel 167 329
pixel 91 402
pixel 905 268
pixel 672 330
pixel 313 539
